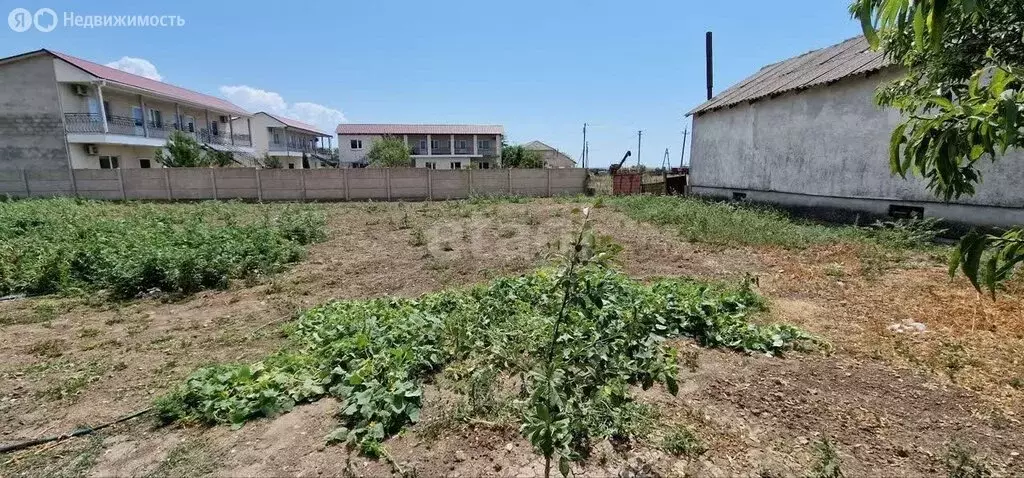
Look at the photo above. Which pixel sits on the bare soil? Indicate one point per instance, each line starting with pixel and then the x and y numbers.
pixel 893 402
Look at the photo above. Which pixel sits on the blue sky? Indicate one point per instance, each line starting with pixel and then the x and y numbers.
pixel 541 68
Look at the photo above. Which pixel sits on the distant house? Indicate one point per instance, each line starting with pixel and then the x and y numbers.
pixel 295 144
pixel 433 146
pixel 553 158
pixel 806 132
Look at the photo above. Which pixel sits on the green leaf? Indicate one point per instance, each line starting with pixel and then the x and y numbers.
pixel 672 385
pixel 898 139
pixel 563 466
pixel 866 24
pixel 919 26
pixel 972 247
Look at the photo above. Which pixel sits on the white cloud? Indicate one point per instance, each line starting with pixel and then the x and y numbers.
pixel 255 99
pixel 137 66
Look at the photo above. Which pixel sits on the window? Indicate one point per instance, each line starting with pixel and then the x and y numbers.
pixel 456 164
pixel 462 144
pixel 277 137
pixel 145 164
pixel 485 144
pixel 213 128
pixel 430 165
pixel 138 116
pixel 190 124
pixel 108 162
pixel 356 144
pixel 156 119
pixel 485 165
pixel 434 144
pixel 291 165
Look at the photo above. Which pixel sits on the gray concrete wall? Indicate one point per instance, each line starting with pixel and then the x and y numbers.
pixel 31 121
pixel 378 184
pixel 831 145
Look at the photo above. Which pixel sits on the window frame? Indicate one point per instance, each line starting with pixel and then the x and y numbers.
pixel 355 144
pixel 113 162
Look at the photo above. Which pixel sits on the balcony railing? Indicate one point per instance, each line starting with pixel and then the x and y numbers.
pixel 123 125
pixel 298 148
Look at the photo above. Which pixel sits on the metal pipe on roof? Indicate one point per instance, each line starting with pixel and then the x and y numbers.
pixel 709 56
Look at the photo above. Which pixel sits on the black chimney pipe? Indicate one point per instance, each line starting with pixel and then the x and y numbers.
pixel 710 64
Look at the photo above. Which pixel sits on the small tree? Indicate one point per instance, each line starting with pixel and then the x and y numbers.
pixel 182 151
pixel 519 157
pixel 390 152
pixel 270 162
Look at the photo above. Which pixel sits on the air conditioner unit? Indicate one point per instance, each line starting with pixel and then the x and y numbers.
pixel 80 90
pixel 92 150
pixel 223 119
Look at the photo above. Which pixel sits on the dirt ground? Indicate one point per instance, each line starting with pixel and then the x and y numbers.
pixel 917 363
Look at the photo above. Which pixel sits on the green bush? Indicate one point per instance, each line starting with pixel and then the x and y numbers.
pixel 373 355
pixel 61 245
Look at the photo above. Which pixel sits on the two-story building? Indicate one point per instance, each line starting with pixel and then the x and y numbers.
pixel 432 146
pixel 59 111
pixel 292 143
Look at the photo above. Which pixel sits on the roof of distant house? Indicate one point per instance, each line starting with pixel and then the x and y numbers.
pixel 815 68
pixel 542 146
pixel 350 128
pixel 114 75
pixel 292 123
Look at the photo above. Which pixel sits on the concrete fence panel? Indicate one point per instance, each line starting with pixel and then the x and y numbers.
pixel 325 184
pixel 143 183
pixel 236 183
pixel 13 183
pixel 99 183
pixel 449 184
pixel 530 182
pixel 491 182
pixel 49 182
pixel 281 184
pixel 368 183
pixel 191 183
pixel 567 181
pixel 409 183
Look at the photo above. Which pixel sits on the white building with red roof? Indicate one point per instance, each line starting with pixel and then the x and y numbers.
pixel 433 146
pixel 290 143
pixel 59 111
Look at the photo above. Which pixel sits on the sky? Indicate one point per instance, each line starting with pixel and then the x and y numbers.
pixel 541 68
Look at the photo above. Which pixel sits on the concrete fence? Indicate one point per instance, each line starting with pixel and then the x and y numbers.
pixel 379 184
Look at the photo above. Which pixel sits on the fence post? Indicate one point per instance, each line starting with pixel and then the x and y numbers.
pixel 430 184
pixel 549 182
pixel 510 193
pixel 387 179
pixel 167 182
pixel 259 186
pixel 302 183
pixel 24 179
pixel 120 181
pixel 213 176
pixel 347 197
pixel 470 171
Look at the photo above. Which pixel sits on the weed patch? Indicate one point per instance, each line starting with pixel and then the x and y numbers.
pixel 682 441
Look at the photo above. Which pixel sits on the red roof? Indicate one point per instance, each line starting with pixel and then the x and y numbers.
pixel 122 77
pixel 348 128
pixel 296 124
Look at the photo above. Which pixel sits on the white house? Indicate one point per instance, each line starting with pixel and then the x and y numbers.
pixel 296 145
pixel 58 111
pixel 433 146
pixel 807 133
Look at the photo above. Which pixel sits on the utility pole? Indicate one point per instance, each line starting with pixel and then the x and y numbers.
pixel 682 154
pixel 639 136
pixel 586 152
pixel 583 155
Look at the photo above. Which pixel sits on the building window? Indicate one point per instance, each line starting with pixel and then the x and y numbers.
pixel 156 119
pixel 108 162
pixel 435 144
pixel 145 164
pixel 291 165
pixel 461 144
pixel 356 144
pixel 430 165
pixel 485 144
pixel 277 138
pixel 485 165
pixel 213 128
pixel 138 116
pixel 456 164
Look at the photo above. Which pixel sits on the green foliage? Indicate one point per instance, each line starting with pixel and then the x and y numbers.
pixel 270 162
pixel 909 233
pixel 60 245
pixel 516 156
pixel 826 461
pixel 962 96
pixel 183 151
pixel 962 463
pixel 373 355
pixel 682 441
pixel 390 152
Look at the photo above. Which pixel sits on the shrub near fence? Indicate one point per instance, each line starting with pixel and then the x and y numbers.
pixel 381 184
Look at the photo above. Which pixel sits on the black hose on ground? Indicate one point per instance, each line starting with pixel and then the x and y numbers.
pixel 74 433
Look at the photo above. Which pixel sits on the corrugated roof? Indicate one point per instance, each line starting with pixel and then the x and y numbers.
pixel 538 146
pixel 181 94
pixel 349 128
pixel 292 123
pixel 815 68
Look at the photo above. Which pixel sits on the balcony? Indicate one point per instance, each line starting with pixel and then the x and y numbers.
pixel 292 148
pixel 92 123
